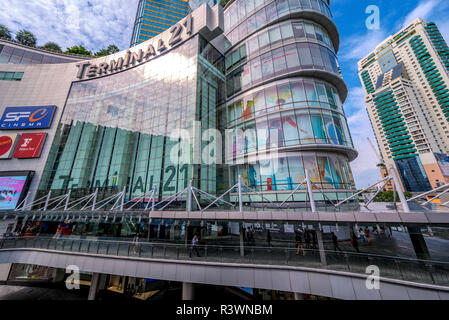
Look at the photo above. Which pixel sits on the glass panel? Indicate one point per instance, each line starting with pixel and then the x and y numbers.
pixel 262 133
pixel 318 127
pixel 259 102
pixel 304 55
pixel 256 70
pixel 304 127
pixel 312 96
pixel 267 65
pixel 311 165
pixel 299 96
pixel 292 59
pixel 280 65
pixel 271 98
pixel 290 128
pixel 276 133
pixel 330 127
pixel 264 40
pixel 286 31
pixel 298 30
pixel 285 96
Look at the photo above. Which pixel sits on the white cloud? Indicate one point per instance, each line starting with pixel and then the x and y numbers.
pixel 94 23
pixel 423 10
pixel 364 167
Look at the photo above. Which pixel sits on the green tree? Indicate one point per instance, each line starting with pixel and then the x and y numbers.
pixel 5 32
pixel 79 50
pixel 223 3
pixel 26 38
pixel 52 46
pixel 111 49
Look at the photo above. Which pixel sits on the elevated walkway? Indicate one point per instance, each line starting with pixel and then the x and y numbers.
pixel 340 275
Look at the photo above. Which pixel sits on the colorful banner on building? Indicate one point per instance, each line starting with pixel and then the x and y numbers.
pixel 30 145
pixel 27 117
pixel 8 144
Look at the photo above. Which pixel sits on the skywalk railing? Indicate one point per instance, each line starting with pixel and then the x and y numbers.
pixel 413 270
pixel 192 196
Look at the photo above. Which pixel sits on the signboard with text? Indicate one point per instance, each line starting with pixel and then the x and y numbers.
pixel 16 118
pixel 30 145
pixel 7 145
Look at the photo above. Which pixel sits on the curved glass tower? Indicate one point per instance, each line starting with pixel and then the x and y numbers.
pixel 284 112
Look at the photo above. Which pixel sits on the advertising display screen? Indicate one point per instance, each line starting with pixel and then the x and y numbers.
pixel 7 145
pixel 27 117
pixel 13 187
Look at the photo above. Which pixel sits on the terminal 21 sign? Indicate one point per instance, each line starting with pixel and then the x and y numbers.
pixel 27 117
pixel 87 70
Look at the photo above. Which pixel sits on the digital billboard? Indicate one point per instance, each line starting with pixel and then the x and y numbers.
pixel 10 190
pixel 7 145
pixel 39 117
pixel 30 145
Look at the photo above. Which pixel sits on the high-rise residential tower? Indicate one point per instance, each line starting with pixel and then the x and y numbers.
pixel 407 98
pixel 195 4
pixel 156 16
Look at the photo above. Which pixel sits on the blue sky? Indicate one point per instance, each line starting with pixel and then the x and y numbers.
pixel 98 23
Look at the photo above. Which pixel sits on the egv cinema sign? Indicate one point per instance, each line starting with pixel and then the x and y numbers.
pixel 88 71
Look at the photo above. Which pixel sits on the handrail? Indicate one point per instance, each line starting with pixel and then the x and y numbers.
pixel 168 244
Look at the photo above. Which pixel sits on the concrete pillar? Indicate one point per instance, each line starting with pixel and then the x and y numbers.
pixel 419 243
pixel 187 291
pixel 94 285
pixel 319 236
pixel 4 271
pixel 299 296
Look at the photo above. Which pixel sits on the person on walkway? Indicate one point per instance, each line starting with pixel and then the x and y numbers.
pixel 314 239
pixel 335 241
pixel 194 246
pixel 298 240
pixel 307 239
pixel 269 237
pixel 355 241
pixel 136 243
pixel 367 235
pixel 362 235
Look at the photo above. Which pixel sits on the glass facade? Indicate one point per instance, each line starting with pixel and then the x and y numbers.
pixel 413 176
pixel 156 16
pixel 115 131
pixel 284 112
pixel 15 55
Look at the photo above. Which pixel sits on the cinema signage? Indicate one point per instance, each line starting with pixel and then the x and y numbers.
pixel 87 70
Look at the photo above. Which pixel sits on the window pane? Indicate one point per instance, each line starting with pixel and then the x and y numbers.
pixel 304 127
pixel 299 96
pixel 287 31
pixel 259 102
pixel 311 94
pixel 271 98
pixel 316 55
pixel 330 128
pixel 276 133
pixel 318 127
pixel 275 35
pixel 256 70
pixel 310 31
pixel 311 166
pixel 294 4
pixel 304 55
pixel 321 90
pixel 253 45
pixel 264 40
pixel 325 173
pixel 285 96
pixel 298 30
pixel 267 65
pixel 291 56
pixel 279 62
pixel 290 128
pixel 271 12
pixel 262 133
pixel 248 111
pixel 282 6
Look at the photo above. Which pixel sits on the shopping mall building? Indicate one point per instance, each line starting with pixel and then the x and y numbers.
pixel 263 73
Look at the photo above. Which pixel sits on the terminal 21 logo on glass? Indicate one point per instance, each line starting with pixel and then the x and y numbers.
pixel 27 117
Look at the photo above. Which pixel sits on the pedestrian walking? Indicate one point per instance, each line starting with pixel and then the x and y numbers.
pixel 367 235
pixel 362 235
pixel 136 243
pixel 194 246
pixel 269 237
pixel 335 241
pixel 355 241
pixel 298 240
pixel 307 239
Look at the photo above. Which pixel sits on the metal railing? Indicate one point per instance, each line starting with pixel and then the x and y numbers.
pixel 413 270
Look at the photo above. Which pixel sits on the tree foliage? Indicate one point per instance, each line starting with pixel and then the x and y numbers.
pixel 111 49
pixel 5 32
pixel 223 2
pixel 388 196
pixel 26 38
pixel 79 50
pixel 52 46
